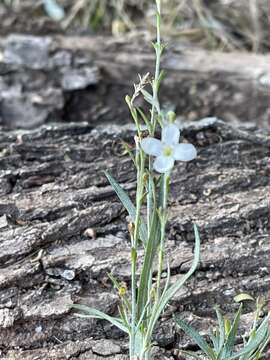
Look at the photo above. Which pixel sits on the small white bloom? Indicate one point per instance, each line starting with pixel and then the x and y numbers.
pixel 54 10
pixel 168 149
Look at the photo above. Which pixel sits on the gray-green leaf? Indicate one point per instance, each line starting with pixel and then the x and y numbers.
pixel 127 203
pixel 93 313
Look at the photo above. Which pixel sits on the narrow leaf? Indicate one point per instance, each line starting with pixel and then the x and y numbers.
pixel 148 97
pixel 150 252
pixel 145 119
pixel 127 203
pixel 175 287
pixel 215 341
pixel 227 326
pixel 221 327
pixel 253 345
pixel 192 354
pixel 93 313
pixel 166 296
pixel 232 334
pixel 196 337
pixel 168 279
pixel 243 297
pixel 160 79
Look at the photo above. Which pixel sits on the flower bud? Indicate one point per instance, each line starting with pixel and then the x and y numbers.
pixel 171 116
pixel 122 289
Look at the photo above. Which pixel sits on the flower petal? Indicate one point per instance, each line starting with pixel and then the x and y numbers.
pixel 170 134
pixel 184 152
pixel 151 146
pixel 163 164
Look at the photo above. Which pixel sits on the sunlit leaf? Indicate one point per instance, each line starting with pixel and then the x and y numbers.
pixel 243 297
pixel 231 337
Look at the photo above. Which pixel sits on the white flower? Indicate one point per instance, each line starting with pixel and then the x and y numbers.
pixel 168 149
pixel 54 10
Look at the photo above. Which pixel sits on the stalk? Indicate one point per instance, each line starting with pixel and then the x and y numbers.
pixel 163 220
pixel 140 162
pixel 133 302
pixel 154 110
pixel 158 48
pixel 139 317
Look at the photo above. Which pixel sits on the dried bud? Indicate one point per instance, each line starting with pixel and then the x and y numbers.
pixel 122 290
pixel 131 228
pixel 145 178
pixel 153 293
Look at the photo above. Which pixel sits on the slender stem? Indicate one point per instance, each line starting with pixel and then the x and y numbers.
pixel 133 304
pixel 163 215
pixel 158 3
pixel 140 161
pixel 150 190
pixel 166 181
pixel 158 48
pixel 150 201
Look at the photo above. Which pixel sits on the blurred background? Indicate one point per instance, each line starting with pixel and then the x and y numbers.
pixel 214 24
pixel 75 60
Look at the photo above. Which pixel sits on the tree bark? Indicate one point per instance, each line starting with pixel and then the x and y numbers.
pixel 62 230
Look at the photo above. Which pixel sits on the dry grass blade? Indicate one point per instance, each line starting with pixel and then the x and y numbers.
pixel 222 24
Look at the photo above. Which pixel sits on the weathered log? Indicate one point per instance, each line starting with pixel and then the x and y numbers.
pixel 62 230
pixel 46 79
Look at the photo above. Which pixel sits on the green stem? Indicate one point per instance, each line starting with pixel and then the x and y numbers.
pixel 150 200
pixel 146 348
pixel 158 4
pixel 163 215
pixel 140 162
pixel 158 48
pixel 133 303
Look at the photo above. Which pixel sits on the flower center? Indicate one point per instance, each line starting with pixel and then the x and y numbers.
pixel 167 151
